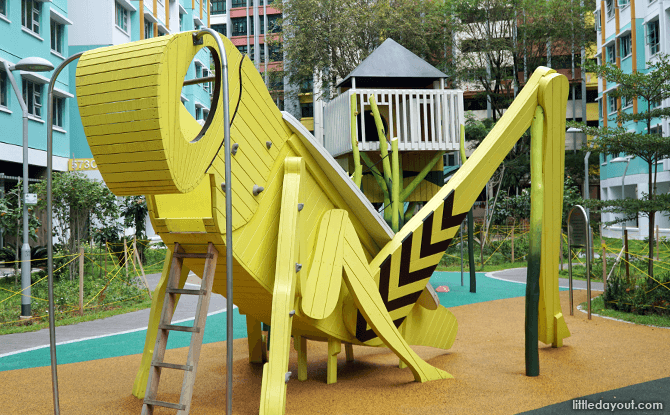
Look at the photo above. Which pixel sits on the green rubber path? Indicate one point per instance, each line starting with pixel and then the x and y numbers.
pixel 488 289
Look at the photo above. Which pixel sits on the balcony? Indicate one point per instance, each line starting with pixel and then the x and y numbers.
pixel 421 119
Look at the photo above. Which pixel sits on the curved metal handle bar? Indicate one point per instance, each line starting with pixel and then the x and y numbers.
pixel 50 254
pixel 223 72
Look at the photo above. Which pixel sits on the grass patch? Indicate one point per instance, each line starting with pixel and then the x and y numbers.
pixel 107 291
pixel 598 307
pixel 43 323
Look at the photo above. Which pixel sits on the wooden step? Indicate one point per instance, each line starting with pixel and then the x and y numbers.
pixel 185 291
pixel 154 402
pixel 172 366
pixel 185 255
pixel 179 328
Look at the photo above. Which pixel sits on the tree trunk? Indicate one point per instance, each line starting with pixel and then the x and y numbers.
pixel 652 220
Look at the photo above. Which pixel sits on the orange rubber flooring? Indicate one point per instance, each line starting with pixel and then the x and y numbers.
pixel 487 361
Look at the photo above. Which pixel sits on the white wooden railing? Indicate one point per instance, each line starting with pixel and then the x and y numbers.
pixel 422 119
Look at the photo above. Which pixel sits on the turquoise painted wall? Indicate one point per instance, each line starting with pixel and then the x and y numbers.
pixel 637 166
pixel 17 43
pixel 79 144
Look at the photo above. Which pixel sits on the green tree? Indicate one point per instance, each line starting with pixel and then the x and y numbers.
pixel 331 37
pixel 11 221
pixel 501 42
pixel 79 204
pixel 650 87
pixel 134 210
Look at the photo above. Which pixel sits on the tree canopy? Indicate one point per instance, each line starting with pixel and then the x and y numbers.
pixel 331 37
pixel 499 43
pixel 625 136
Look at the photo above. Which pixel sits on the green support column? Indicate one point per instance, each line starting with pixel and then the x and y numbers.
pixel 471 226
pixel 535 249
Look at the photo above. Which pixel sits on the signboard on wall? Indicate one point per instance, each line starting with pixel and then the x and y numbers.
pixel 82 164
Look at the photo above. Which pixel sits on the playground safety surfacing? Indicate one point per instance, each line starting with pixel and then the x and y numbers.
pixel 487 362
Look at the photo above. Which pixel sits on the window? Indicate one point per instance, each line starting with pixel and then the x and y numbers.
pixel 625 46
pixel 596 15
pixel 307 109
pixel 30 15
pixel 3 88
pixel 609 7
pixel 198 113
pixel 611 54
pixel 121 18
pixel 242 49
pixel 307 85
pixel 611 104
pixel 600 107
pixel 57 36
pixel 181 22
pixel 59 110
pixel 624 3
pixel 218 7
pixel 578 92
pixel 207 86
pixel 148 30
pixel 221 28
pixel 625 102
pixel 274 24
pixel 3 7
pixel 654 104
pixel 239 3
pixel 205 114
pixel 276 85
pixel 32 95
pixel 276 54
pixel 240 26
pixel 653 39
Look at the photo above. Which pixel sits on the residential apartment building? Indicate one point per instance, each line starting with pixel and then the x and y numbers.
pixel 111 22
pixel 566 60
pixel 237 20
pixel 31 28
pixel 631 34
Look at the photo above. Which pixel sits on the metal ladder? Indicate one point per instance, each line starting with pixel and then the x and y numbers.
pixel 197 331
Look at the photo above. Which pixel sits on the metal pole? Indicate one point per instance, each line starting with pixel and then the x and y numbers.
pixel 50 253
pixel 623 178
pixel 223 72
pixel 25 248
pixel 588 264
pixel 461 231
pixel 586 196
pixel 572 310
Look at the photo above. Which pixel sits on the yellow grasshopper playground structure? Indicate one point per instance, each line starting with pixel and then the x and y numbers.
pixel 311 256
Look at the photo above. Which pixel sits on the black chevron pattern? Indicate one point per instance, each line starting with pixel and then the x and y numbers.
pixel 428 248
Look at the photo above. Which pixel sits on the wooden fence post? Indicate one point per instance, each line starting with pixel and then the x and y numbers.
pixel 625 250
pixel 513 225
pixel 81 280
pixel 604 268
pixel 106 255
pixel 125 255
pixel 658 236
pixel 139 261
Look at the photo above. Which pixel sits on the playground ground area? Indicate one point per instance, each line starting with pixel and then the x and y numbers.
pixel 487 362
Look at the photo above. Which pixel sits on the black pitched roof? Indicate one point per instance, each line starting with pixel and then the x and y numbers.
pixel 393 61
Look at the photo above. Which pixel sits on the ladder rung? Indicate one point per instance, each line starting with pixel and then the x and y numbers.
pixel 185 255
pixel 172 366
pixel 179 328
pixel 177 406
pixel 186 291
